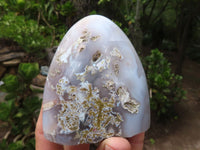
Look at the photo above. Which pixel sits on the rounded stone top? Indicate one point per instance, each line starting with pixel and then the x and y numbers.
pixel 96 86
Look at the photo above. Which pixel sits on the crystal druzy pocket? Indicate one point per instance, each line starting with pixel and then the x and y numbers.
pixel 96 87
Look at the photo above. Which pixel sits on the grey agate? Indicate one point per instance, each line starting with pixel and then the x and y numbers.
pixel 96 86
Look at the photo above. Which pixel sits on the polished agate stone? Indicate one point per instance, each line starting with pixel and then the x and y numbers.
pixel 96 86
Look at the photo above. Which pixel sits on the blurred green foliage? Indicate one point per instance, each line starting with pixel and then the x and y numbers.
pixel 28 71
pixel 165 86
pixel 32 23
pixel 20 108
pixel 152 141
pixel 26 33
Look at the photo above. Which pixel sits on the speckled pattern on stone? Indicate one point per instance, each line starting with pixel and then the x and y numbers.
pixel 96 87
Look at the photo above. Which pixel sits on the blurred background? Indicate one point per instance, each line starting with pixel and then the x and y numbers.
pixel 165 34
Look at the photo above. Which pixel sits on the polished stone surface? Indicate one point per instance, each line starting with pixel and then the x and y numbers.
pixel 96 86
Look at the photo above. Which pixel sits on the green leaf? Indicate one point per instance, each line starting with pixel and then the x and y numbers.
pixel 28 70
pixel 11 83
pixel 16 146
pixel 31 104
pixel 21 4
pixel 10 96
pixel 19 115
pixel 5 109
pixel 27 130
pixel 30 144
pixel 93 12
pixel 152 141
pixel 102 1
pixel 3 144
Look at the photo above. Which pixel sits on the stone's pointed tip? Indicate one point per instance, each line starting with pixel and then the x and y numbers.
pixel 96 87
pixel 96 16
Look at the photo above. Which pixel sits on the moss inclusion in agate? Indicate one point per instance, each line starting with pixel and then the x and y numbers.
pixel 83 111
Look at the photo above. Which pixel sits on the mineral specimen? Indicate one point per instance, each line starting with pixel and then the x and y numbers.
pixel 96 87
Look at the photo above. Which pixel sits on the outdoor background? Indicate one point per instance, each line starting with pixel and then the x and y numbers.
pixel 165 34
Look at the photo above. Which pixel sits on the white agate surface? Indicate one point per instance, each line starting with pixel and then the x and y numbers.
pixel 96 87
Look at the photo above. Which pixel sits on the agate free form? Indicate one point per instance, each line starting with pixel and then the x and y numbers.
pixel 96 86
